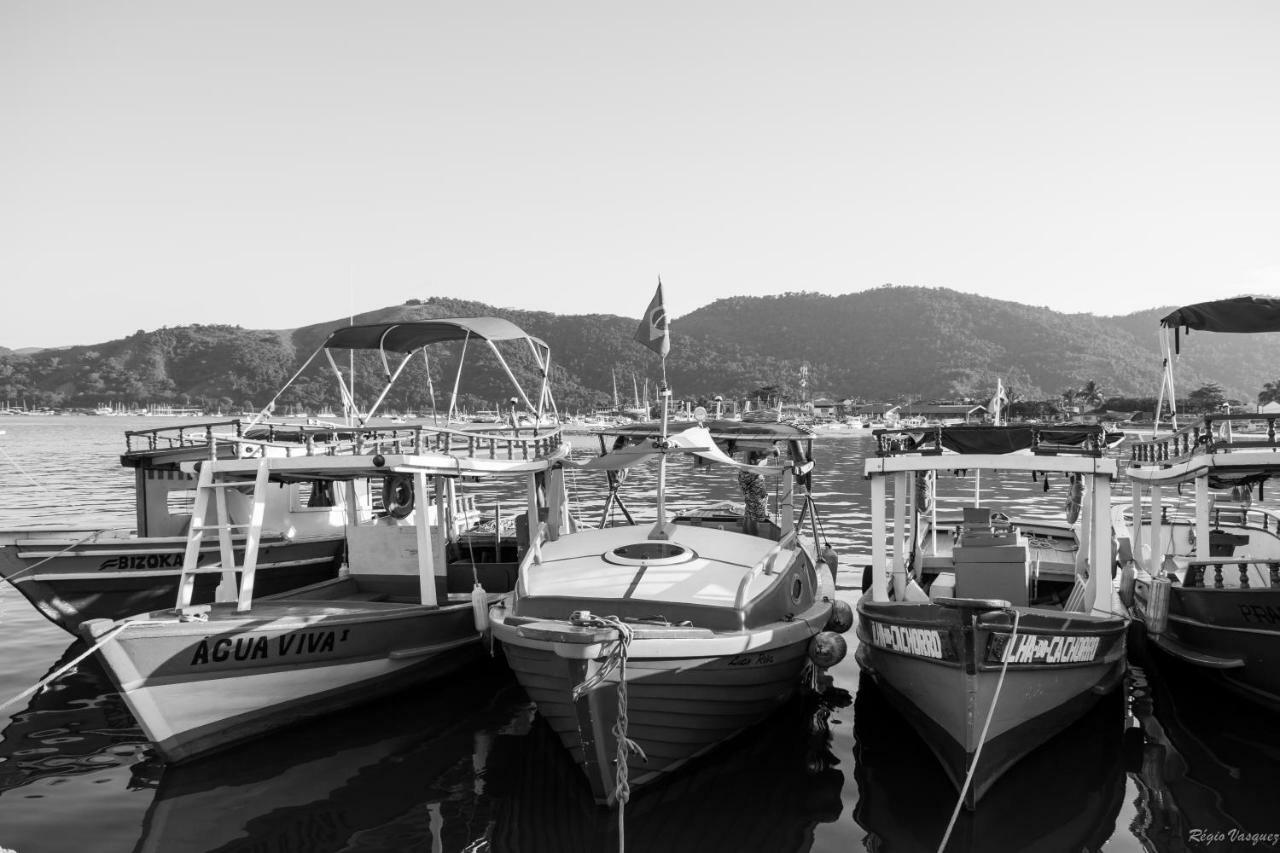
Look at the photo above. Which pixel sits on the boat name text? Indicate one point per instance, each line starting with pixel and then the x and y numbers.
pixel 1033 648
pixel 125 562
pixel 923 642
pixel 263 648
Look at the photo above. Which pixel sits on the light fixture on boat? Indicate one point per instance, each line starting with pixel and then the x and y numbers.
pixel 653 552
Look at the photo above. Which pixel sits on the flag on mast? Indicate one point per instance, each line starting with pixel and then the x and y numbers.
pixel 654 330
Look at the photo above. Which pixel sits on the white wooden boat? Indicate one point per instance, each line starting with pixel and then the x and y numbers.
pixel 410 605
pixel 984 655
pixel 1204 580
pixel 645 646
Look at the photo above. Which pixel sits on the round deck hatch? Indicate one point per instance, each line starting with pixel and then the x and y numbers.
pixel 652 553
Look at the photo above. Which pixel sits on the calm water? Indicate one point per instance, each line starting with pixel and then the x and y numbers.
pixel 466 765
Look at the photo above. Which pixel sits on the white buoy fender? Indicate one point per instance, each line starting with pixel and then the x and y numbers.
pixel 1158 604
pixel 827 648
pixel 480 608
pixel 1074 499
pixel 841 618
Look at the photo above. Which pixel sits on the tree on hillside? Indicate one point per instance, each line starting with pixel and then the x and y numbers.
pixel 1270 393
pixel 1206 399
pixel 1090 394
pixel 1068 398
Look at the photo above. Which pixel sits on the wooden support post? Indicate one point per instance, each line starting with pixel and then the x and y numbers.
pixel 901 485
pixel 879 564
pixel 1157 529
pixel 1100 568
pixel 1202 517
pixel 422 529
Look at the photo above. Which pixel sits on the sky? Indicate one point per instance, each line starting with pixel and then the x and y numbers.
pixel 275 164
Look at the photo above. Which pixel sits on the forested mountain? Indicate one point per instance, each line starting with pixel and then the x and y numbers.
pixel 890 343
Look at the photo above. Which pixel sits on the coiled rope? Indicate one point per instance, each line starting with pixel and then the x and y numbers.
pixel 991 712
pixel 615 660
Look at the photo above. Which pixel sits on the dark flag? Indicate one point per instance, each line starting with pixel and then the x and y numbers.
pixel 654 331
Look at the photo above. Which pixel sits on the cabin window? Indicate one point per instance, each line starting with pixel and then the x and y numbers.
pixel 314 495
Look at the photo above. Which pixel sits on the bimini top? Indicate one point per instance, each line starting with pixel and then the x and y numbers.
pixel 413 335
pixel 721 430
pixel 1078 439
pixel 1241 314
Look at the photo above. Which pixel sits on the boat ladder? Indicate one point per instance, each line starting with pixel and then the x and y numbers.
pixel 208 485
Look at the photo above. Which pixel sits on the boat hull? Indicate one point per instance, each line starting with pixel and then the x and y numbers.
pixel 71 583
pixel 1231 635
pixel 940 667
pixel 680 703
pixel 198 686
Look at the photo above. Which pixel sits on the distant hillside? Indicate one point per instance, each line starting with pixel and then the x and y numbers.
pixel 891 343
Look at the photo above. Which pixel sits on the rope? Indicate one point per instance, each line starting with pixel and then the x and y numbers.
pixel 23 471
pixel 991 712
pixel 616 659
pixel 44 681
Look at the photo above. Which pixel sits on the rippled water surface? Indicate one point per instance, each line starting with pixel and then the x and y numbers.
pixel 466 765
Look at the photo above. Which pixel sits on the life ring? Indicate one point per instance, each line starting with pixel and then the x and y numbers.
pixel 397 495
pixel 1074 499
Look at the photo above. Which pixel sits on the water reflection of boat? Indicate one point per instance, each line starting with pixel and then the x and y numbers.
pixel 768 792
pixel 1210 761
pixel 1063 796
pixel 77 724
pixel 390 776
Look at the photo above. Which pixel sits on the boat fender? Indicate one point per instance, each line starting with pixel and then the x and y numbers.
pixel 1128 579
pixel 831 558
pixel 841 618
pixel 827 648
pixel 1158 604
pixel 924 492
pixel 397 495
pixel 480 608
pixel 1074 499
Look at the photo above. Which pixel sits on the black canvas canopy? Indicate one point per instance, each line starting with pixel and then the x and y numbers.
pixel 983 439
pixel 1240 314
pixel 407 337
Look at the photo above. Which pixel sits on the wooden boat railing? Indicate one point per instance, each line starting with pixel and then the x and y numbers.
pixel 1202 437
pixel 1258 518
pixel 1195 575
pixel 299 439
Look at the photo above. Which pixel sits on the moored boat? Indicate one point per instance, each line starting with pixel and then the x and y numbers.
pixel 1203 582
pixel 74 574
pixel 409 606
pixel 983 653
pixel 645 646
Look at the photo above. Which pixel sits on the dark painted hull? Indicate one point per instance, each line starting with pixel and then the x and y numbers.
pixel 116 579
pixel 1231 635
pixel 943 678
pixel 678 707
